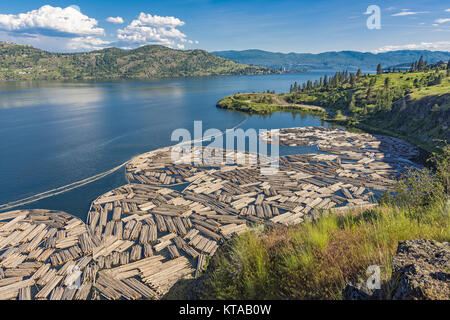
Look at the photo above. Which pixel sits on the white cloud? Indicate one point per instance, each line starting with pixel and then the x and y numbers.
pixel 407 12
pixel 50 20
pixel 68 29
pixel 153 29
pixel 117 20
pixel 442 20
pixel 54 28
pixel 86 44
pixel 432 46
pixel 447 10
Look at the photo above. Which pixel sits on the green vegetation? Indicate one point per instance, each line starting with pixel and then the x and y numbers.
pixel 315 260
pixel 412 105
pixel 265 103
pixel 21 62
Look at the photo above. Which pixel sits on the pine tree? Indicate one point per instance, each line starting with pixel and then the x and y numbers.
pixel 379 70
pixel 369 89
pixel 352 104
pixel 358 73
pixel 420 64
pixel 325 80
pixel 352 80
pixel 386 84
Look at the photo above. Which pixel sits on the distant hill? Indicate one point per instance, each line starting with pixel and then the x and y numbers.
pixel 350 60
pixel 21 62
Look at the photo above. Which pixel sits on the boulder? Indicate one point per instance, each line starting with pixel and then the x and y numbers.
pixel 360 291
pixel 421 269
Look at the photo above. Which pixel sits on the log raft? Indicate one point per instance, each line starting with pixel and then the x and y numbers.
pixel 141 238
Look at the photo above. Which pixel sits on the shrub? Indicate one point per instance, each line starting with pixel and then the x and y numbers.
pixel 317 259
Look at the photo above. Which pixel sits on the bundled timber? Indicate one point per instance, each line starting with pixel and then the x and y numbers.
pixel 141 238
pixel 183 164
pixel 40 248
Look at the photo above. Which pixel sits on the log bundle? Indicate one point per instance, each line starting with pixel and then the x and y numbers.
pixel 155 236
pixel 184 164
pixel 141 238
pixel 44 254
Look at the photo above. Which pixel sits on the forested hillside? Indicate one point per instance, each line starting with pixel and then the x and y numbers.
pixel 21 62
pixel 413 104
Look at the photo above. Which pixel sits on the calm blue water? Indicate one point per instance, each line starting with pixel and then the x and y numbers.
pixel 53 133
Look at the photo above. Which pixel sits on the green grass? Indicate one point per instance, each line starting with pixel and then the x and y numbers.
pixel 407 109
pixel 265 103
pixel 317 259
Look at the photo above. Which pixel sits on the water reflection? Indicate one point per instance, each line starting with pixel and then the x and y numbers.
pixel 55 133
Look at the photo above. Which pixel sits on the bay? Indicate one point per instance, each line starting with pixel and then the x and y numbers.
pixel 56 133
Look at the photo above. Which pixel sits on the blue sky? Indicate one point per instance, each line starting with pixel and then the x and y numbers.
pixel 281 26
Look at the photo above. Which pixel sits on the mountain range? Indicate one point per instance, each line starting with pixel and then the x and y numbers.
pixel 22 62
pixel 341 60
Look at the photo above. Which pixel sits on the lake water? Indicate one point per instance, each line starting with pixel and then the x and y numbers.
pixel 56 133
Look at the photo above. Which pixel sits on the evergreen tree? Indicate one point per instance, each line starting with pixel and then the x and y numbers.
pixel 379 70
pixel 358 73
pixel 352 80
pixel 352 104
pixel 386 83
pixel 369 89
pixel 325 80
pixel 420 64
